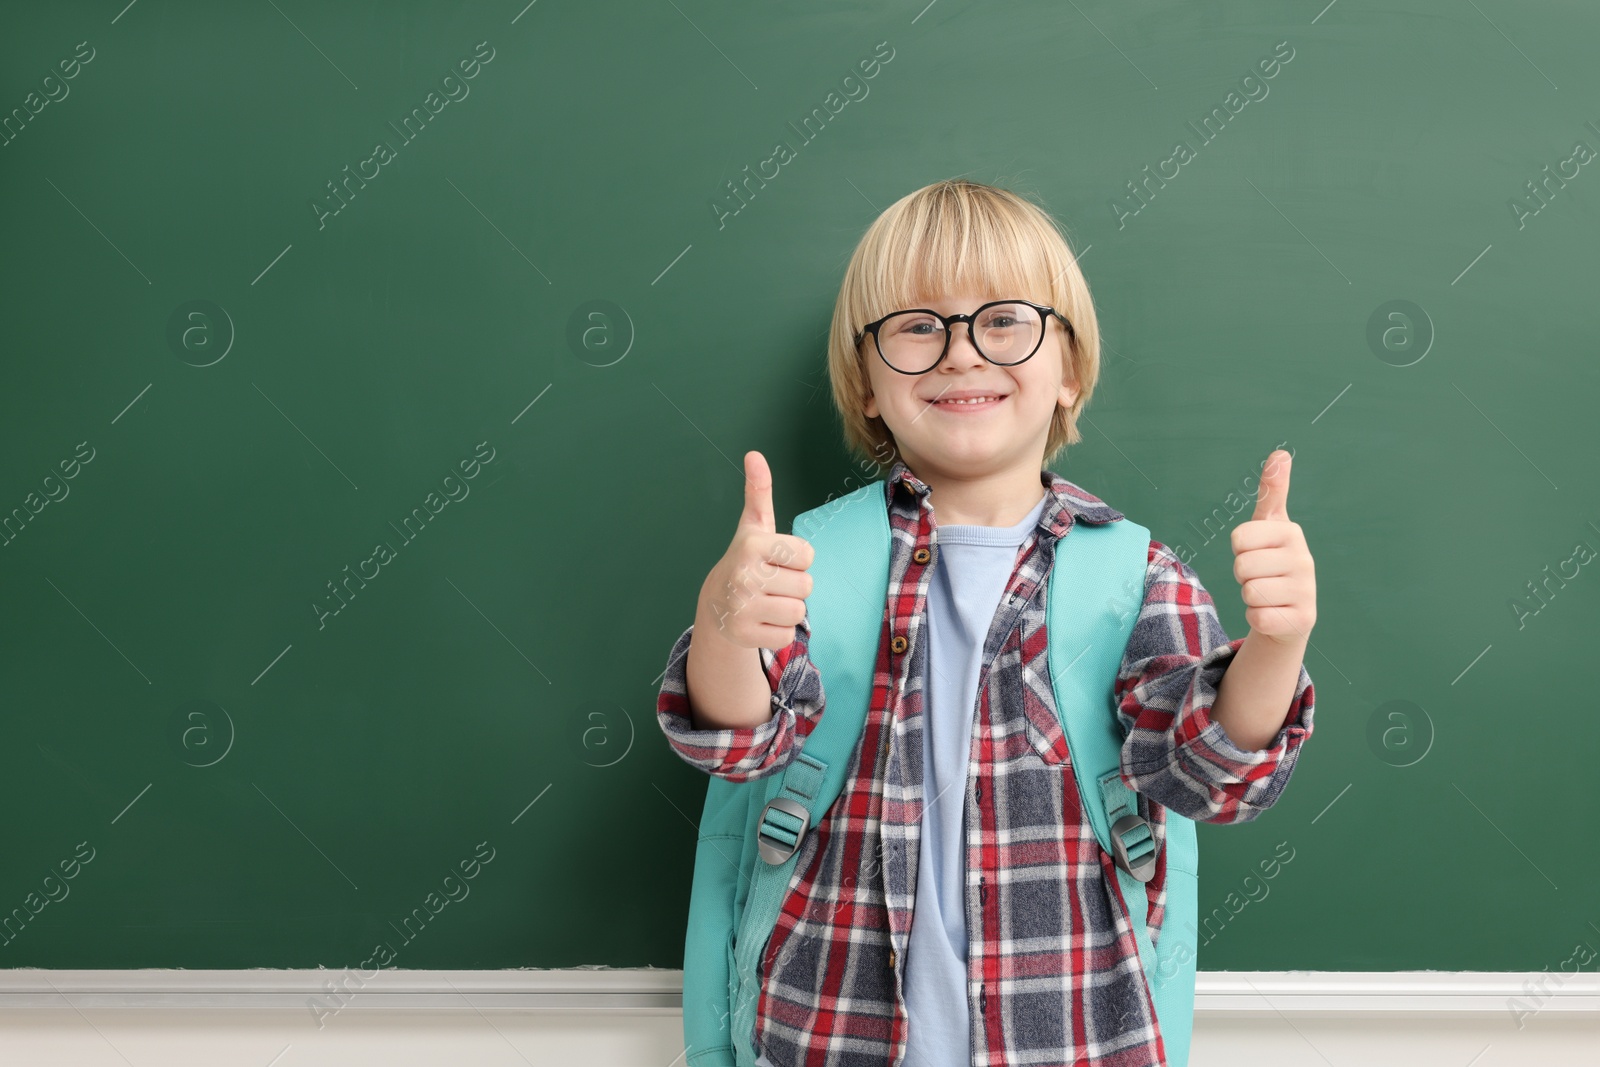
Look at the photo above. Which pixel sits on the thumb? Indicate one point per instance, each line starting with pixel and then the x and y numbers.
pixel 757 494
pixel 1272 496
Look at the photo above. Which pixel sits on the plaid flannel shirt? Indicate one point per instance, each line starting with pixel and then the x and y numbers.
pixel 1053 971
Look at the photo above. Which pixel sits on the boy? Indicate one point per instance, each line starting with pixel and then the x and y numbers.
pixel 960 808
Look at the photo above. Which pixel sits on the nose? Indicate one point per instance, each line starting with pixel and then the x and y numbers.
pixel 961 352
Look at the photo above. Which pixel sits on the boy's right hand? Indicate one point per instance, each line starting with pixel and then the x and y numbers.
pixel 755 596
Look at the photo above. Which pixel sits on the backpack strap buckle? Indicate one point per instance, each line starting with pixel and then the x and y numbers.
pixel 1133 847
pixel 780 829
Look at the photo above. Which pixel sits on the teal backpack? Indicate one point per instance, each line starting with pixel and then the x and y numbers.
pixel 751 831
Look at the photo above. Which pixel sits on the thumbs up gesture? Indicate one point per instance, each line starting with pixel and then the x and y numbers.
pixel 1272 564
pixel 756 592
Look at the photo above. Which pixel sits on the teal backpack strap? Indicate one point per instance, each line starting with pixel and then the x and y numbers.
pixel 1096 590
pixel 850 588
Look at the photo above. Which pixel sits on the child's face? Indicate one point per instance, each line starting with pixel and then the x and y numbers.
pixel 967 441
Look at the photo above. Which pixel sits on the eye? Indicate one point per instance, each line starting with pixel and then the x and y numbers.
pixel 1009 317
pixel 912 325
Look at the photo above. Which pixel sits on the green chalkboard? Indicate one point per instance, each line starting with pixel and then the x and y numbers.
pixel 376 381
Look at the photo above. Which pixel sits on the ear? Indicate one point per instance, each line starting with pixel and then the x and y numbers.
pixel 1068 394
pixel 869 404
pixel 1069 385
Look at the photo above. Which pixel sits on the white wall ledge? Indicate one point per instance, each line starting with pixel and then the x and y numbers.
pixel 1217 993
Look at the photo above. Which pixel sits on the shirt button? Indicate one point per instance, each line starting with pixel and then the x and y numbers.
pixel 891 959
pixel 898 645
pixel 921 555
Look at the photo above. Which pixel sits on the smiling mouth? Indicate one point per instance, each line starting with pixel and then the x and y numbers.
pixel 967 403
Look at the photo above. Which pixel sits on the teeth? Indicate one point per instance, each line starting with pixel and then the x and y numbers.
pixel 972 400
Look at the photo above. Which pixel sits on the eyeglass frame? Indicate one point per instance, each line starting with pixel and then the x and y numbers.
pixel 949 321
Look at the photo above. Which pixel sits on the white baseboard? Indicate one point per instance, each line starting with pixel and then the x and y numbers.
pixel 1361 992
pixel 633 989
pixel 633 1018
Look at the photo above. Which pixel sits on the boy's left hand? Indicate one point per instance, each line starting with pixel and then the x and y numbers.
pixel 1272 564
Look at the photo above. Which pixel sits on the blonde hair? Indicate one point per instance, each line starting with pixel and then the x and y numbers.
pixel 954 236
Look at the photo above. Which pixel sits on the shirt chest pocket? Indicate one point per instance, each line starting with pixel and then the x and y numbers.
pixel 1044 733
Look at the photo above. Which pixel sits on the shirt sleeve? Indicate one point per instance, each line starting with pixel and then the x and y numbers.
pixel 742 753
pixel 1174 752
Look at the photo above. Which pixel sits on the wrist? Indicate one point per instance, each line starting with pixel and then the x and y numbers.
pixel 708 620
pixel 1293 644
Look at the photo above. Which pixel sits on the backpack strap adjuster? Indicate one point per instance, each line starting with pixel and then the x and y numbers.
pixel 1133 847
pixel 780 829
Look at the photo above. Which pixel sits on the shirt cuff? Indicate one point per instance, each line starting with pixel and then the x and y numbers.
pixel 735 753
pixel 1206 749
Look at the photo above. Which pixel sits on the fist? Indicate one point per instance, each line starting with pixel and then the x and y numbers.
pixel 756 594
pixel 1272 564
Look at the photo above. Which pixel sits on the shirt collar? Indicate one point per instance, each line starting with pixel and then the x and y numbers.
pixel 1067 503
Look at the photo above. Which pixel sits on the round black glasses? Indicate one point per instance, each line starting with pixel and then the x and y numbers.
pixel 1004 332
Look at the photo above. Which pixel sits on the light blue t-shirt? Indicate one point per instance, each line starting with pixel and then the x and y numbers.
pixel 971 568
